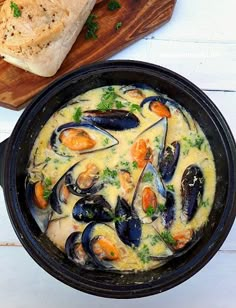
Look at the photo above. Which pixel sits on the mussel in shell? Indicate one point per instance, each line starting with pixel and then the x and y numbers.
pixel 71 139
pixel 116 120
pixel 192 188
pixel 149 145
pixel 82 179
pixel 168 214
pixel 102 245
pixel 150 193
pixel 127 223
pixel 74 249
pixel 38 205
pixel 92 208
pixel 168 161
pixel 60 194
pixel 136 90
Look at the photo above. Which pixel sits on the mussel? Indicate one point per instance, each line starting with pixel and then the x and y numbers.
pixel 112 119
pixel 192 188
pixel 102 245
pixel 150 193
pixel 168 161
pixel 92 208
pixel 71 139
pixel 135 90
pixel 127 223
pixel 169 210
pixel 38 205
pixel 149 145
pixel 74 249
pixel 60 194
pixel 82 179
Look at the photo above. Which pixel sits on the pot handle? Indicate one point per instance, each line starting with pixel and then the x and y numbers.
pixel 3 146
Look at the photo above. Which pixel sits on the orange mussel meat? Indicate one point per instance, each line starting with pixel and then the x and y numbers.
pixel 141 152
pixel 77 139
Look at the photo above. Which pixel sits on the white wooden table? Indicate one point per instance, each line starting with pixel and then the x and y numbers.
pixel 199 43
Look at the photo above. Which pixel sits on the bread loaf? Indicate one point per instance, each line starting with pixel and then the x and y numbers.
pixel 40 38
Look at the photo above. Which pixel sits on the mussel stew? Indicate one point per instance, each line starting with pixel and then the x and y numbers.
pixel 121 178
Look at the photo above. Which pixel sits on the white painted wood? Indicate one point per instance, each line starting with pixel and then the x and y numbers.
pixel 23 284
pixel 200 21
pixel 209 66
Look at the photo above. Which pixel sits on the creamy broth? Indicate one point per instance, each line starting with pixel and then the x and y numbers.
pixel 120 173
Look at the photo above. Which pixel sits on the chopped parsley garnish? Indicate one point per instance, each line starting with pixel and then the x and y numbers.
pixel 113 5
pixel 148 177
pixel 170 187
pixel 154 239
pixel 135 107
pixel 195 141
pixel 125 165
pixel 46 194
pixel 111 177
pixel 77 115
pixel 204 203
pixel 157 142
pixel 107 100
pixel 16 11
pixel 150 211
pixel 106 141
pixel 119 218
pixel 56 161
pixel 135 165
pixel 112 253
pixel 47 159
pixel 119 104
pixel 144 254
pixel 47 182
pixel 168 238
pixel 161 208
pixel 118 25
pixel 92 27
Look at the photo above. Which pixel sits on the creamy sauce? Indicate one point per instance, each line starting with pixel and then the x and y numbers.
pixel 45 163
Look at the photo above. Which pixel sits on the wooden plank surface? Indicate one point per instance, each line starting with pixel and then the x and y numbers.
pixel 139 18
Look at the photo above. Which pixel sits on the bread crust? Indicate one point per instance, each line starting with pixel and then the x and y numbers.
pixel 39 40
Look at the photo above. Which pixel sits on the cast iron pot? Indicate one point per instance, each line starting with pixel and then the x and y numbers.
pixel 17 150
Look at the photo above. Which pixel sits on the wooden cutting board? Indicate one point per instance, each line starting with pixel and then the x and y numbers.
pixel 138 17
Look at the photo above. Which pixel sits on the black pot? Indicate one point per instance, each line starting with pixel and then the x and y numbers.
pixel 18 148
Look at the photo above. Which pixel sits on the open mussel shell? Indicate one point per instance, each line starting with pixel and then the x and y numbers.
pixel 92 185
pixel 41 216
pixel 150 192
pixel 59 195
pixel 128 225
pixel 74 249
pixel 192 188
pixel 116 120
pixel 92 208
pixel 101 244
pixel 168 161
pixel 98 139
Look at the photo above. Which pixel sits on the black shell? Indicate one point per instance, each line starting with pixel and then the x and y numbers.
pixel 112 119
pixel 169 213
pixel 192 187
pixel 168 161
pixel 92 208
pixel 72 241
pixel 55 200
pixel 128 225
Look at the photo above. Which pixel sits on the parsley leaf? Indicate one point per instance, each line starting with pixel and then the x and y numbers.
pixel 119 105
pixel 107 100
pixel 47 182
pixel 118 25
pixel 157 142
pixel 111 177
pixel 113 5
pixel 134 165
pixel 47 159
pixel 144 254
pixel 16 11
pixel 134 108
pixel 106 141
pixel 148 177
pixel 194 141
pixel 150 211
pixel 161 208
pixel 77 115
pixel 204 203
pixel 170 187
pixel 92 27
pixel 168 238
pixel 46 194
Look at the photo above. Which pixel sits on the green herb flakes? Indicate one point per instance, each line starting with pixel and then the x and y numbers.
pixel 205 203
pixel 15 9
pixel 107 100
pixel 157 142
pixel 150 211
pixel 111 177
pixel 170 187
pixel 161 208
pixel 134 107
pixel 148 177
pixel 168 238
pixel 118 25
pixel 144 254
pixel 119 105
pixel 92 27
pixel 47 159
pixel 113 5
pixel 46 194
pixel 194 141
pixel 106 141
pixel 47 182
pixel 154 239
pixel 134 165
pixel 77 115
